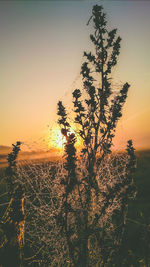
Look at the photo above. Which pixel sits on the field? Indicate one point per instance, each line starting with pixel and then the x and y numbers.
pixel 138 227
pixel 136 243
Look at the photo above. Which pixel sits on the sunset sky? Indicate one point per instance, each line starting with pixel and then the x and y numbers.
pixel 41 52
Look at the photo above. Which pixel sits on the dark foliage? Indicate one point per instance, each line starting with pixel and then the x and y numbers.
pixel 12 222
pixel 97 107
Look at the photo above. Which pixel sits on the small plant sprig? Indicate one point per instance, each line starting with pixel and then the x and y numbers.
pixel 11 169
pixel 13 221
pixel 70 181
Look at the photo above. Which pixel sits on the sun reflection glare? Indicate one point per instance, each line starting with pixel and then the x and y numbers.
pixel 58 140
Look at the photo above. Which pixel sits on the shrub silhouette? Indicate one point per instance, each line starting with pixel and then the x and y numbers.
pixel 96 192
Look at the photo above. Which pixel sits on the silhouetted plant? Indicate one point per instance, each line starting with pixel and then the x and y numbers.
pixel 12 222
pixel 97 187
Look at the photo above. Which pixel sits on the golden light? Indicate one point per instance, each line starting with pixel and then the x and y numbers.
pixel 57 140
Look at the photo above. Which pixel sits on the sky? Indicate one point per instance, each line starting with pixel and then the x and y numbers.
pixel 41 52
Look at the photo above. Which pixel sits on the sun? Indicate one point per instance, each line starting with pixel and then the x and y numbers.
pixel 58 141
